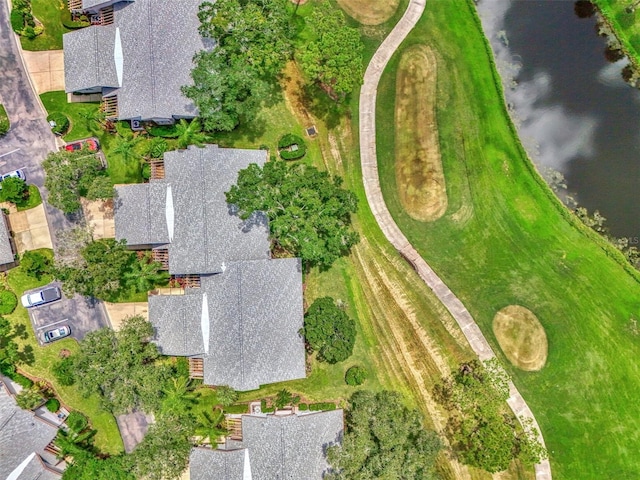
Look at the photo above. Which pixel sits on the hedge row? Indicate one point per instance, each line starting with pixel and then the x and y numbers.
pixel 314 407
pixel 240 408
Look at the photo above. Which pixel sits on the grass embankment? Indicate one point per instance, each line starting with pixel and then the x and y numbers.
pixel 369 12
pixel 108 437
pixel 625 24
pixel 48 13
pixel 506 240
pixel 406 339
pixel 5 124
pixel 33 200
pixel 521 337
pixel 418 164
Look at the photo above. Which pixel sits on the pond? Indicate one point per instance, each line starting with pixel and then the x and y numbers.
pixel 575 113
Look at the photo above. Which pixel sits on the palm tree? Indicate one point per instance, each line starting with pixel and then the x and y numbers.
pixel 179 396
pixel 190 133
pixel 211 426
pixel 93 119
pixel 145 274
pixel 71 443
pixel 125 148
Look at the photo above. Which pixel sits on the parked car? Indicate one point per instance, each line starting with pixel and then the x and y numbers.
pixel 15 174
pixel 57 333
pixel 46 295
pixel 90 144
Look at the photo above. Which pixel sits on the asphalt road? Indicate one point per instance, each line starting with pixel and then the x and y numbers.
pixel 30 139
pixel 26 146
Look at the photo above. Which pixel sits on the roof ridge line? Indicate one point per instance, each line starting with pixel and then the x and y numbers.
pixel 241 325
pixel 204 208
pixel 4 424
pixel 152 59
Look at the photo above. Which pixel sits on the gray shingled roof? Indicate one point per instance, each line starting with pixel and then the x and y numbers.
pixel 22 434
pixel 6 252
pixel 207 464
pixel 206 231
pixel 176 319
pixel 159 39
pixel 88 60
pixel 292 446
pixel 256 310
pixel 140 214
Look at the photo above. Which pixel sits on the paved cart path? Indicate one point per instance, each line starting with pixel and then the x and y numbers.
pixel 373 192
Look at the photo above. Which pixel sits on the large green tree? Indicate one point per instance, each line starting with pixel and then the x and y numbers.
pixel 252 42
pixel 69 176
pixel 383 439
pixel 14 190
pixel 333 58
pixel 329 330
pixel 100 271
pixel 309 212
pixel 481 429
pixel 121 367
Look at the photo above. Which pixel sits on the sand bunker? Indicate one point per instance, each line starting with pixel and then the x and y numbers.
pixel 521 337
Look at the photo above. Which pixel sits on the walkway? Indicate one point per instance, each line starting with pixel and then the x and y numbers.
pixel 368 157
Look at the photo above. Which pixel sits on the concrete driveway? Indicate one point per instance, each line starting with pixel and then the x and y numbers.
pixel 46 69
pixel 30 229
pixel 82 314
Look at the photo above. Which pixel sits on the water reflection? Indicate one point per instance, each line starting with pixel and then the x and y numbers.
pixel 574 111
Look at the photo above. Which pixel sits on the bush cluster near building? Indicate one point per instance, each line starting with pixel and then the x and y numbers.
pixel 22 20
pixel 59 123
pixel 291 147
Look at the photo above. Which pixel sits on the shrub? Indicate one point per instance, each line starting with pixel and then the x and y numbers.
pixel 314 407
pixel 35 264
pixel 329 330
pixel 64 372
pixel 8 301
pixel 29 399
pixel 53 405
pixel 67 21
pixel 287 141
pixel 164 131
pixel 146 171
pixel 17 20
pixel 77 422
pixel 21 380
pixel 303 406
pixel 14 190
pixel 61 121
pixel 29 32
pixel 355 376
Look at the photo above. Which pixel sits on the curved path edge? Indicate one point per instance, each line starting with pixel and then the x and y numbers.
pixel 368 158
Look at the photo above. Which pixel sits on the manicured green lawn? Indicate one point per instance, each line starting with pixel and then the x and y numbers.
pixel 506 240
pixel 33 201
pixel 108 437
pixel 118 169
pixel 48 12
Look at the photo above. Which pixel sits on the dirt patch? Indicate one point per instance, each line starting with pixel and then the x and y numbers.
pixel 419 173
pixel 369 12
pixel 521 337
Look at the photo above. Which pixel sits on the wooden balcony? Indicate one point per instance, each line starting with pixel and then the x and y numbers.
pixel 109 107
pixel 106 16
pixel 157 169
pixel 75 5
pixel 161 255
pixel 196 368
